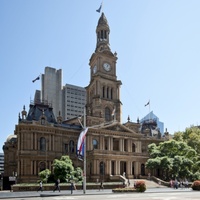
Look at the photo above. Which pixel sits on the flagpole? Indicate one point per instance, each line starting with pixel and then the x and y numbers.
pixel 84 160
pixel 149 111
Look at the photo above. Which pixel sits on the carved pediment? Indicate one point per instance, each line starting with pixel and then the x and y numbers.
pixel 117 127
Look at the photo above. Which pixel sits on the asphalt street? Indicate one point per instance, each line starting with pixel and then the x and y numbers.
pixel 149 194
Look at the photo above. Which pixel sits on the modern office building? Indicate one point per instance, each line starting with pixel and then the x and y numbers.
pixel 51 90
pixel 154 122
pixel 1 163
pixel 74 101
pixel 67 101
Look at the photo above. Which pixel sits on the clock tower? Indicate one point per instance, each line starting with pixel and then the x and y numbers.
pixel 103 92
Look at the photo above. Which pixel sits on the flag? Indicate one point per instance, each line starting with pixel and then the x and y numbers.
pixel 147 103
pixel 38 78
pixel 99 10
pixel 80 145
pixel 113 112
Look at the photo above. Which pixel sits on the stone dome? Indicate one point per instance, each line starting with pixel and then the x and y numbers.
pixel 11 138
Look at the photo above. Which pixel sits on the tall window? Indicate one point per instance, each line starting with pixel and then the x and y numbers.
pixel 102 168
pixel 107 114
pixel 108 92
pixel 126 145
pixel 103 92
pixel 95 144
pixel 42 144
pixel 42 166
pixel 133 147
pixel 71 146
pixel 66 148
pixel 115 144
pixel 106 144
pixel 142 169
pixel 111 93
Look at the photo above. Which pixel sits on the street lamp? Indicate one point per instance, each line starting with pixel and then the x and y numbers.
pixel 84 144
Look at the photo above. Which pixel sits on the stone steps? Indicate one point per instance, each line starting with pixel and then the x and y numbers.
pixel 149 184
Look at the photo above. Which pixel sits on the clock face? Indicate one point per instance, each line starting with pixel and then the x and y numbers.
pixel 107 66
pixel 94 69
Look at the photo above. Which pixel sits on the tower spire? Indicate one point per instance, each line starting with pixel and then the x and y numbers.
pixel 103 31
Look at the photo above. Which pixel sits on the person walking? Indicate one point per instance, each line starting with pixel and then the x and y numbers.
pixel 40 187
pixel 57 184
pixel 101 186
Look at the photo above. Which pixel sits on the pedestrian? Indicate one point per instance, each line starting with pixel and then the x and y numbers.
pixel 176 184
pixel 128 182
pixel 171 183
pixel 74 185
pixel 57 185
pixel 101 186
pixel 40 187
pixel 134 184
pixel 186 183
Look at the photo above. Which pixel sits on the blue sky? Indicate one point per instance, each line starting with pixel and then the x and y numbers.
pixel 157 42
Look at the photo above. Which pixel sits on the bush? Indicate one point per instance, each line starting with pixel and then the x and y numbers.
pixel 196 185
pixel 140 186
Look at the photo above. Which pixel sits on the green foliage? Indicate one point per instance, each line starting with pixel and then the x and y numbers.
pixel 195 176
pixel 153 163
pixel 174 158
pixel 44 175
pixel 78 175
pixel 191 136
pixel 63 168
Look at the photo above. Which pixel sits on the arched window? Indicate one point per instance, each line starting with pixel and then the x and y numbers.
pixel 42 166
pixel 42 121
pixel 107 114
pixel 142 169
pixel 102 168
pixel 42 144
pixel 95 144
pixel 71 146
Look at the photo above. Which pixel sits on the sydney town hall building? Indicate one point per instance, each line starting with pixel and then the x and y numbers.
pixel 112 148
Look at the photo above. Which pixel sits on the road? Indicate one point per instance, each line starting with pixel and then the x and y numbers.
pixel 173 195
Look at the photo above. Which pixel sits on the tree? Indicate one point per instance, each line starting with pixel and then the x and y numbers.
pixel 64 170
pixel 191 136
pixel 44 175
pixel 174 158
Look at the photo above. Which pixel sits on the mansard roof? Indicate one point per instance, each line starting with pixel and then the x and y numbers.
pixel 39 109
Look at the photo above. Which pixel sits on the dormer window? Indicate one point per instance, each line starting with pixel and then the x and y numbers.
pixel 42 121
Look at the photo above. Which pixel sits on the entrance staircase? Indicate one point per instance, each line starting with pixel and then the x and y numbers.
pixel 149 184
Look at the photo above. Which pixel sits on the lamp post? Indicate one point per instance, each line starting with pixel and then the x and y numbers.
pixel 84 160
pixel 84 153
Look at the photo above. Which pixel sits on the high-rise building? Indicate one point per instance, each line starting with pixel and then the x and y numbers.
pixel 51 90
pixel 67 101
pixel 74 101
pixel 1 163
pixel 153 121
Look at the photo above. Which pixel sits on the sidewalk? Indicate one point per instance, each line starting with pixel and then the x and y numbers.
pixel 8 194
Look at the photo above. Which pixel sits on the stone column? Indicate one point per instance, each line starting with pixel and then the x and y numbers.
pixel 108 167
pixel 117 167
pixel 111 143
